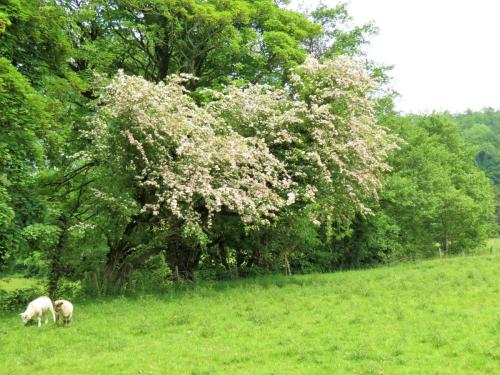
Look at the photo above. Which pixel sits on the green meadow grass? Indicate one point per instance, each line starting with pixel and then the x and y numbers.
pixel 13 282
pixel 430 317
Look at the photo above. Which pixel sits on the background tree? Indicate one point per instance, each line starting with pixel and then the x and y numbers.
pixel 32 88
pixel 40 106
pixel 22 116
pixel 339 36
pixel 217 40
pixel 482 130
pixel 435 198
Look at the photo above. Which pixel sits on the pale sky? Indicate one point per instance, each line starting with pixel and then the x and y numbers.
pixel 446 53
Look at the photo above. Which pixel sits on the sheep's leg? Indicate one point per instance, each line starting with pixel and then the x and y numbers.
pixel 46 318
pixel 53 313
pixel 39 321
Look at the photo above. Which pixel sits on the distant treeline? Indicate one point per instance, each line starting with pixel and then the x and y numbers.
pixel 144 142
pixel 482 131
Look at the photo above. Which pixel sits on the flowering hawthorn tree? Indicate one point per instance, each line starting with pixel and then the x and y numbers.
pixel 322 128
pixel 313 146
pixel 183 164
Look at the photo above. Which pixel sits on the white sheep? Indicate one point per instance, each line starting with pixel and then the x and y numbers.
pixel 38 308
pixel 64 310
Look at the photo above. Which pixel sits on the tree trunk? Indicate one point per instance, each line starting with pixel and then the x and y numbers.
pixel 117 253
pixel 288 270
pixel 55 263
pixel 163 53
pixel 123 260
pixel 3 252
pixel 444 246
pixel 182 259
pixel 223 255
pixel 115 259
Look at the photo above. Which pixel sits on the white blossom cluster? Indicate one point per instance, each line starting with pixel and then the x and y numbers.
pixel 252 150
pixel 322 127
pixel 157 133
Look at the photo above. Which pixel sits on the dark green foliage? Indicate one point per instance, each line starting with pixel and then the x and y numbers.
pixel 19 298
pixel 374 240
pixel 339 37
pixel 435 201
pixel 35 40
pixel 22 120
pixel 215 40
pixel 482 130
pixel 39 103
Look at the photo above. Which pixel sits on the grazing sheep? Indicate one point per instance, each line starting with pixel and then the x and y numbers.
pixel 64 310
pixel 38 308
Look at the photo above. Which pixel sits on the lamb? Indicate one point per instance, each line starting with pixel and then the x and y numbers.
pixel 64 310
pixel 38 308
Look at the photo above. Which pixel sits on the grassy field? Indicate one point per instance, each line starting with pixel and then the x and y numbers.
pixel 431 317
pixel 17 282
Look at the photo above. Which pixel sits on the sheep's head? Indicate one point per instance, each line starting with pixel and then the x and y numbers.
pixel 58 305
pixel 25 317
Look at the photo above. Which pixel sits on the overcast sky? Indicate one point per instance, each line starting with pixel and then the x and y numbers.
pixel 446 53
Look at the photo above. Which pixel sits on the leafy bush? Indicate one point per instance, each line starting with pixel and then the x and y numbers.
pixel 154 275
pixel 33 265
pixel 69 290
pixel 19 298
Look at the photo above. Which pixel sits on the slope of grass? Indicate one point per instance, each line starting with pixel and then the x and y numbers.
pixel 13 282
pixel 432 317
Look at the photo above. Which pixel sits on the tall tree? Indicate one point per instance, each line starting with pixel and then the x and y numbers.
pixel 339 36
pixel 436 195
pixel 216 40
pixel 34 47
pixel 40 103
pixel 22 118
pixel 482 130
